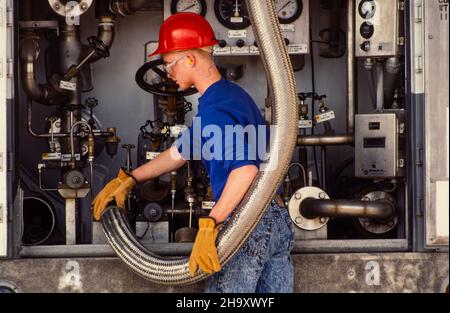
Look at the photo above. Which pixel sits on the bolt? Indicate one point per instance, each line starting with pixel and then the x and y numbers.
pixel 76 180
pixel 430 37
pixel 298 220
pixel 391 223
pixel 366 199
pixel 298 195
pixel 83 6
pixel 322 195
pixel 366 224
pixel 322 220
pixel 56 6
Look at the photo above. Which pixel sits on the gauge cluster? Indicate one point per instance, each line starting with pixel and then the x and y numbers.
pixel 377 28
pixel 232 26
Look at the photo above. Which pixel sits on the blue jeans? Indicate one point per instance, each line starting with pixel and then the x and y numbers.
pixel 263 264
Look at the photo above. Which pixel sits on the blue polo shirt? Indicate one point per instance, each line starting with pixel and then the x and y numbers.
pixel 228 132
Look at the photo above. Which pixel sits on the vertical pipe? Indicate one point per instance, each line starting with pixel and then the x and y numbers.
pixel 351 68
pixel 323 153
pixel 380 87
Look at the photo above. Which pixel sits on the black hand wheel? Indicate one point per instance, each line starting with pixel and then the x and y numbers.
pixel 166 88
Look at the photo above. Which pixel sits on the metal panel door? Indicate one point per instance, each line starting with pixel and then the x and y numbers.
pixel 5 93
pixel 436 147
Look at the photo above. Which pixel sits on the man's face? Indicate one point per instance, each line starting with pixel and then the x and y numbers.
pixel 175 64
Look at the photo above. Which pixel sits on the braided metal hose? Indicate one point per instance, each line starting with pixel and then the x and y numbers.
pixel 174 271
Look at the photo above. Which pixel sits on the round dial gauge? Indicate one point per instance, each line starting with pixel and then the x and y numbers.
pixel 288 10
pixel 232 14
pixel 367 9
pixel 193 6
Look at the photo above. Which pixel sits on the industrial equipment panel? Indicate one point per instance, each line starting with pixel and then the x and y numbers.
pixel 231 24
pixel 377 28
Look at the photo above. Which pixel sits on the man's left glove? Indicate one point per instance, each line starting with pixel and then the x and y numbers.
pixel 204 251
pixel 117 189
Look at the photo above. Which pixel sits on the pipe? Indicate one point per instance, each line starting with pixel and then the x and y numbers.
pixel 29 53
pixel 380 87
pixel 351 69
pixel 72 146
pixel 393 67
pixel 327 140
pixel 282 83
pixel 381 209
pixel 105 33
pixel 323 165
pixel 56 135
pixel 126 7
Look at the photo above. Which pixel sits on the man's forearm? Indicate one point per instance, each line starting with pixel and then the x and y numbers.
pixel 235 189
pixel 167 161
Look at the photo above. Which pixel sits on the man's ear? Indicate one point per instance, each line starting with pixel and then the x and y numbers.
pixel 190 60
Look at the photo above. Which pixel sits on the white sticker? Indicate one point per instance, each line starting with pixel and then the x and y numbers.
pixel 254 50
pixel 236 19
pixel 305 124
pixel 287 27
pixel 208 205
pixel 329 115
pixel 298 48
pixel 242 33
pixel 151 155
pixel 243 50
pixel 67 85
pixel 177 130
pixel 222 51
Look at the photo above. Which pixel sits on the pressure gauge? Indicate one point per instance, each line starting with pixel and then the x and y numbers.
pixel 232 14
pixel 367 9
pixel 193 6
pixel 288 10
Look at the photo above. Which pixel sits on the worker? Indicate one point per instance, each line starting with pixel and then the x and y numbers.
pixel 263 263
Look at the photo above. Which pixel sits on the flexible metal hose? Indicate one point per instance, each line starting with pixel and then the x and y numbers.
pixel 284 136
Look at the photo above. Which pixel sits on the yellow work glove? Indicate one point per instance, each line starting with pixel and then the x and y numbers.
pixel 204 251
pixel 117 189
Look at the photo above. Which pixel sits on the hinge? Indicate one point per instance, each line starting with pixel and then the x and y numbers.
pixel 420 205
pixel 1 212
pixel 1 161
pixel 419 157
pixel 9 17
pixel 401 5
pixel 401 41
pixel 418 13
pixel 9 68
pixel 419 64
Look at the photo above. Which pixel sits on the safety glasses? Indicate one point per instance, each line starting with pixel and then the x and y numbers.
pixel 168 66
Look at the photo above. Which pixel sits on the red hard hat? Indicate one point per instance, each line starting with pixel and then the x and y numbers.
pixel 184 31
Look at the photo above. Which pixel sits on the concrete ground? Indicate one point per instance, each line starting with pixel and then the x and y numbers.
pixel 343 273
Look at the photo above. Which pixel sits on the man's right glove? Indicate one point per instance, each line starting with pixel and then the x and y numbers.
pixel 117 189
pixel 204 251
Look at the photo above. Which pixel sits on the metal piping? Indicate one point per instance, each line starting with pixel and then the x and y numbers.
pixel 105 33
pixel 126 7
pixel 29 53
pixel 284 94
pixel 351 68
pixel 381 209
pixel 346 139
pixel 328 140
